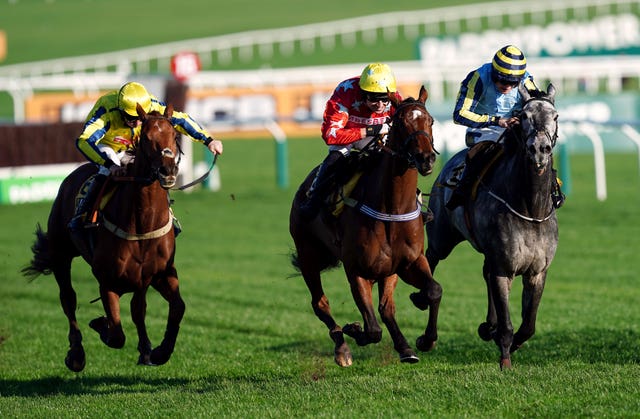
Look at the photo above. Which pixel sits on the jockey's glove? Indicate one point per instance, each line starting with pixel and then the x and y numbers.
pixel 374 130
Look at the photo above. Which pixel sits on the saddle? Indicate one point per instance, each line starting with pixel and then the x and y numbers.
pixel 104 195
pixel 480 159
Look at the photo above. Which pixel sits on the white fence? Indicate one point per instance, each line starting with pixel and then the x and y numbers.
pixel 245 46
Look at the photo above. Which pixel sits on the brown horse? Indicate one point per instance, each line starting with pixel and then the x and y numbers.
pixel 133 248
pixel 378 238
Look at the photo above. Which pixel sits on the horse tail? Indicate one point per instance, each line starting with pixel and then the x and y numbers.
pixel 41 262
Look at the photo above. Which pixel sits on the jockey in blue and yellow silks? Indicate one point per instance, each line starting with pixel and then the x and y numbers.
pixel 488 102
pixel 488 97
pixel 113 126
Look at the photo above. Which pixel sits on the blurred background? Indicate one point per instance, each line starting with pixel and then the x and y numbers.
pixel 249 69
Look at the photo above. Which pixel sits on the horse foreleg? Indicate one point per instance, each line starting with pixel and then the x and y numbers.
pixel 533 286
pixel 487 330
pixel 387 310
pixel 138 313
pixel 75 359
pixel 500 288
pixel 110 327
pixel 361 292
pixel 168 288
pixel 419 275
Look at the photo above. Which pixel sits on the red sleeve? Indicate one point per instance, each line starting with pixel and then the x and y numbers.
pixel 334 124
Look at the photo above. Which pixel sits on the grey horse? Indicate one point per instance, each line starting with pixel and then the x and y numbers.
pixel 511 221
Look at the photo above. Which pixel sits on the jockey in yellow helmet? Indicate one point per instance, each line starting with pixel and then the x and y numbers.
pixel 113 126
pixel 358 111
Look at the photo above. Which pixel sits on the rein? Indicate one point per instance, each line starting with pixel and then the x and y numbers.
pixel 552 139
pixel 516 213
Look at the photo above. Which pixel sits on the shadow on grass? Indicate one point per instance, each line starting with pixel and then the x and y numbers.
pixel 51 386
pixel 588 345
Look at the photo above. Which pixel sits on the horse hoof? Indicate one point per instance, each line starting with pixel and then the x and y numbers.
pixel 409 357
pixel 159 357
pixel 505 364
pixel 425 345
pixel 486 331
pixel 75 360
pixel 343 358
pixel 145 360
pixel 419 301
pixel 101 326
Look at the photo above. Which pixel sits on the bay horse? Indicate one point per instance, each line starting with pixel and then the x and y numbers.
pixel 512 220
pixel 133 247
pixel 377 239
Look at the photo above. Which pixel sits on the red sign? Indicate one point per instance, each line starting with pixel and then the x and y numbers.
pixel 185 65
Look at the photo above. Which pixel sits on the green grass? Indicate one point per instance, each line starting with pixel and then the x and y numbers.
pixel 251 346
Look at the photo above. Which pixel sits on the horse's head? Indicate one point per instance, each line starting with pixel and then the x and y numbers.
pixel 411 132
pixel 539 124
pixel 158 148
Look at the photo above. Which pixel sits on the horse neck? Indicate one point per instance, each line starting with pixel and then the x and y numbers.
pixel 142 204
pixel 397 184
pixel 530 192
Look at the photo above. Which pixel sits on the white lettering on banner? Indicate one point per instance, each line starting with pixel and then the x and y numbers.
pixel 34 191
pixel 588 111
pixel 603 34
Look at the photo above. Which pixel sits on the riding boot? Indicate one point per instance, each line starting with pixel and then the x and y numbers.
pixel 476 159
pixel 557 196
pixel 177 227
pixel 320 186
pixel 85 204
pixel 463 188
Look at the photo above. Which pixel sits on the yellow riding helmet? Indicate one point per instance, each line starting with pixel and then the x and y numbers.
pixel 130 95
pixel 378 78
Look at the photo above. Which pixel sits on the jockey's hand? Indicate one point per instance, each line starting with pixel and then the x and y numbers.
pixel 117 170
pixel 373 130
pixel 508 122
pixel 215 146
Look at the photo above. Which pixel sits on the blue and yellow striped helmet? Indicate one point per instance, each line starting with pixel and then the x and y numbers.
pixel 509 64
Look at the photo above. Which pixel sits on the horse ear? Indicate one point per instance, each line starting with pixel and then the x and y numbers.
pixel 424 95
pixel 141 113
pixel 551 91
pixel 168 111
pixel 524 92
pixel 393 98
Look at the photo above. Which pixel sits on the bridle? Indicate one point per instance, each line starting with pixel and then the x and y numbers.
pixel 395 124
pixel 553 138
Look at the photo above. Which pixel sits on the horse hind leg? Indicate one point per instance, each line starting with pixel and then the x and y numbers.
pixel 138 313
pixel 487 330
pixel 170 291
pixel 387 310
pixel 75 359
